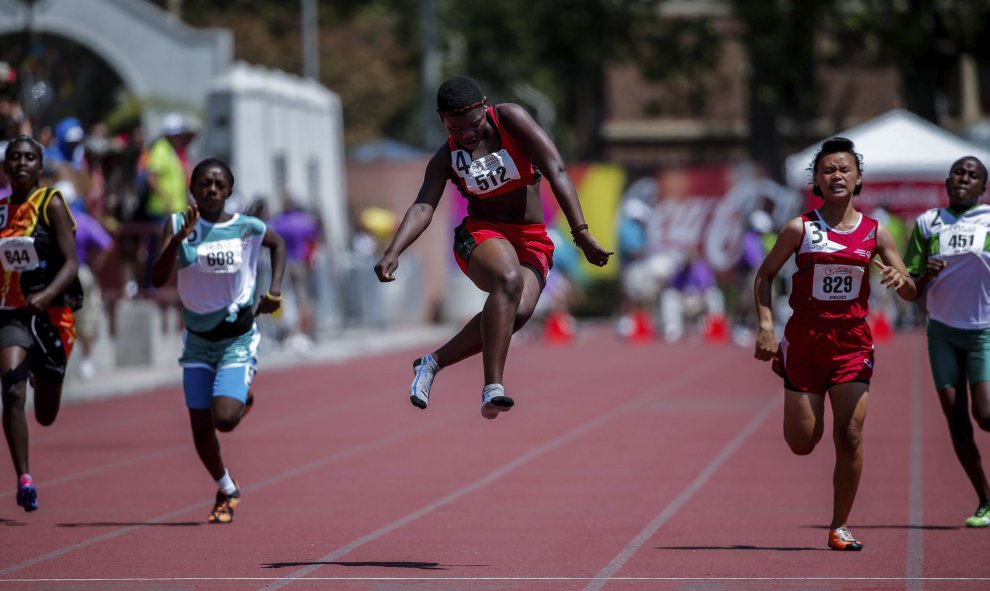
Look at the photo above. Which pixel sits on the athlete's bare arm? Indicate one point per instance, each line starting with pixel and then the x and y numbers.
pixel 418 216
pixel 544 154
pixel 788 241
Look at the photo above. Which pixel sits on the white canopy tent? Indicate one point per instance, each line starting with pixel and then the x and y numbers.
pixel 897 145
pixel 906 160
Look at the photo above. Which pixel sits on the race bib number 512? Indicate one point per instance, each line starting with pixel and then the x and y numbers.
pixel 487 173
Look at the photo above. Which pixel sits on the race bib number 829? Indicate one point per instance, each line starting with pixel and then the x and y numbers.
pixel 837 282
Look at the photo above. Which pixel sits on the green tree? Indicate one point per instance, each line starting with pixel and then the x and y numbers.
pixel 922 39
pixel 780 71
pixel 552 50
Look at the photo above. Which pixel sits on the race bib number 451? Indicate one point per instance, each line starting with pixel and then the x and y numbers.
pixel 837 282
pixel 961 238
pixel 485 174
pixel 222 256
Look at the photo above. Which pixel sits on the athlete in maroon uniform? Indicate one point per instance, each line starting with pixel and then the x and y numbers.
pixel 496 156
pixel 827 346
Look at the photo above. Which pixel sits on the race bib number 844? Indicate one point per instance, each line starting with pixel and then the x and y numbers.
pixel 18 253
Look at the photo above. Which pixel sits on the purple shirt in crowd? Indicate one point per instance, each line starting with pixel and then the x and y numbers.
pixel 752 250
pixel 695 277
pixel 299 229
pixel 91 237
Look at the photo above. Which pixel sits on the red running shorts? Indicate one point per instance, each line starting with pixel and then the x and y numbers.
pixel 533 247
pixel 813 358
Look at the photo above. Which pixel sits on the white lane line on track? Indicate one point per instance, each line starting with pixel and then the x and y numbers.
pixel 915 560
pixel 608 573
pixel 94 471
pixel 699 371
pixel 370 446
pixel 481 579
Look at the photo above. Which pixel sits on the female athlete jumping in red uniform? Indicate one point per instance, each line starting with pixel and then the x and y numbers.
pixel 496 156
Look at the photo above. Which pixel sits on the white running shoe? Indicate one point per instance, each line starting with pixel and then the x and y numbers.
pixel 494 401
pixel 426 369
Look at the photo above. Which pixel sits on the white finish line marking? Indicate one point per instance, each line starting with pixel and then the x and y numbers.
pixel 481 579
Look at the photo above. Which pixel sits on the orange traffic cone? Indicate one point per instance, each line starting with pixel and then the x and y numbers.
pixel 716 329
pixel 880 326
pixel 642 328
pixel 559 328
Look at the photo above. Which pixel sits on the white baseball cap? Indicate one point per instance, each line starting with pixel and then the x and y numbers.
pixel 175 124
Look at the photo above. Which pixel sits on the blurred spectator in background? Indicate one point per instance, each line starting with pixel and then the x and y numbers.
pixel 13 121
pixel 754 249
pixel 691 298
pixel 93 244
pixel 563 290
pixel 162 189
pixel 302 233
pixel 164 172
pixel 4 179
pixel 884 307
pixel 268 324
pixel 639 286
pixel 67 146
pixel 95 148
pixel 378 224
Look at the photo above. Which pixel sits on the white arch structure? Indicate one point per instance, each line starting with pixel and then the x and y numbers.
pixel 155 55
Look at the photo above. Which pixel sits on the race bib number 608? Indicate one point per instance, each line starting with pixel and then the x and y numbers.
pixel 222 256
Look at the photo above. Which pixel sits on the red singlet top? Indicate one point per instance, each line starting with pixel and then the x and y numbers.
pixel 494 174
pixel 832 283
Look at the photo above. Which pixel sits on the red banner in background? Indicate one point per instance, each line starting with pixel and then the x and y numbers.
pixel 699 211
pixel 705 211
pixel 906 200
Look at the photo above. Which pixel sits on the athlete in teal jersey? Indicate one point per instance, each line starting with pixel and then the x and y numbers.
pixel 218 257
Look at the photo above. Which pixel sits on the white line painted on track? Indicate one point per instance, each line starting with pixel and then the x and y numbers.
pixel 556 443
pixel 341 455
pixel 608 573
pixel 915 560
pixel 481 579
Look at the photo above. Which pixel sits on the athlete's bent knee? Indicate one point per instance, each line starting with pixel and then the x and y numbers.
pixel 801 442
pixel 849 440
pixel 801 448
pixel 226 423
pixel 510 283
pixel 15 396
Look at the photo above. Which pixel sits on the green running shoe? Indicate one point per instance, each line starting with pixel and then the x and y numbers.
pixel 981 518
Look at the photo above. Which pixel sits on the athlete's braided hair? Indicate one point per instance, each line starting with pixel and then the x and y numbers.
pixel 835 145
pixel 458 95
pixel 208 163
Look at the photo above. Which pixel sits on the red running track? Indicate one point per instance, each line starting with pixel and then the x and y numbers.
pixel 623 467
